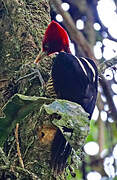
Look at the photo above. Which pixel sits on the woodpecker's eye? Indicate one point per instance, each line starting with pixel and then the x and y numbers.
pixel 46 47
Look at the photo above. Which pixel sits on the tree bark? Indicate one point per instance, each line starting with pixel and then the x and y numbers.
pixel 29 133
pixel 22 26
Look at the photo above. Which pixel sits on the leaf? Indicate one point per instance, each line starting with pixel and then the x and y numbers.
pixel 17 108
pixel 72 116
pixel 93 134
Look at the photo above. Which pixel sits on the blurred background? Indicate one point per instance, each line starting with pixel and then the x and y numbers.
pixel 97 21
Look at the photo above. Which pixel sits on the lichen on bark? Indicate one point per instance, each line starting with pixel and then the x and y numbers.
pixel 22 26
pixel 38 118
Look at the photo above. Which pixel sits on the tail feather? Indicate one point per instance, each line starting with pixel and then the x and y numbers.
pixel 63 158
pixel 61 150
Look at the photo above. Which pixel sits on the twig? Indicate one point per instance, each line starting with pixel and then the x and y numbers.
pixel 4 158
pixel 18 147
pixel 4 3
pixel 107 64
pixel 20 170
pixel 11 147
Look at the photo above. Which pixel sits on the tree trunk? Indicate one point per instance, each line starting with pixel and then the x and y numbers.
pixel 26 152
pixel 22 26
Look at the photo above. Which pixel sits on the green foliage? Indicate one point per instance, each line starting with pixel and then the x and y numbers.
pixel 45 112
pixel 71 116
pixel 93 134
pixel 17 108
pixel 75 175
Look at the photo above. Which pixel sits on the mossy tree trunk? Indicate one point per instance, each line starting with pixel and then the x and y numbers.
pixel 22 26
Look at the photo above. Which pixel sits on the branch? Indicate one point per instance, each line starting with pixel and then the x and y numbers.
pixel 82 5
pixel 107 64
pixel 75 35
pixel 107 90
pixel 101 136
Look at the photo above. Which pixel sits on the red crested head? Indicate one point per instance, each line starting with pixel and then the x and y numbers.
pixel 55 40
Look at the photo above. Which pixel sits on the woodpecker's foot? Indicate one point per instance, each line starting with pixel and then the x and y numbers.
pixel 38 74
pixel 34 74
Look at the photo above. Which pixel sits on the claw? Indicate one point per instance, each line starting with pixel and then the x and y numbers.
pixel 39 76
pixel 36 73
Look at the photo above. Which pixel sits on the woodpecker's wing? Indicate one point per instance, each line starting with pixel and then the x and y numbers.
pixel 75 80
pixel 91 90
pixel 60 149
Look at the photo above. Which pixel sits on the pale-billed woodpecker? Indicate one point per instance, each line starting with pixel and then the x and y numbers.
pixel 74 79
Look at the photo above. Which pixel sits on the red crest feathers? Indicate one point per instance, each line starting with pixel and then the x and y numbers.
pixel 55 39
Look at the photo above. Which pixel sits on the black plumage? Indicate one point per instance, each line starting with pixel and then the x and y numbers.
pixel 75 80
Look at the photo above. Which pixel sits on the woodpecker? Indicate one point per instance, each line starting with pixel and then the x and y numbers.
pixel 72 78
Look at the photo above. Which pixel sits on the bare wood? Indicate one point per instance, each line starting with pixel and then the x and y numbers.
pixel 101 138
pixel 106 90
pixel 18 147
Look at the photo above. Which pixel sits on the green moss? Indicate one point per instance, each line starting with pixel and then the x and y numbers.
pixel 22 27
pixel 73 117
pixel 33 113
